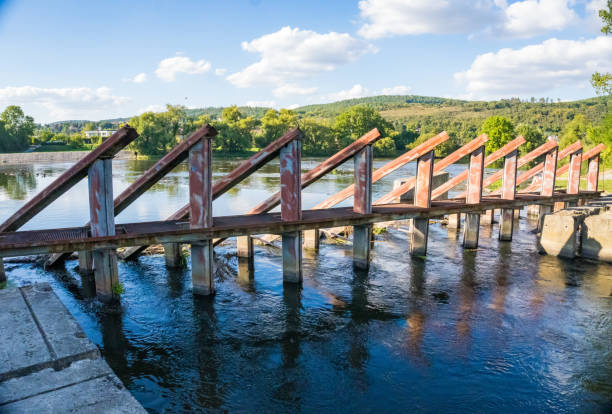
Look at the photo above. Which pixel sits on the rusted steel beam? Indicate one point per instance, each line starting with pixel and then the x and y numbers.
pixel 69 178
pixel 159 232
pixel 238 174
pixel 102 223
pixel 573 181
pixel 291 209
pixel 548 183
pixel 474 196
pixel 151 176
pixel 201 215
pixel 438 166
pixel 506 217
pixel 569 150
pixel 387 169
pixel 422 198
pixel 362 204
pixel 592 156
pixel 490 159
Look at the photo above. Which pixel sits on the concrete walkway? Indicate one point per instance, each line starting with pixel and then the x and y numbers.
pixel 47 363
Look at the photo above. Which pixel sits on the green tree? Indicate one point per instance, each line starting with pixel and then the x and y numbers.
pixel 533 138
pixel 153 138
pixel 319 137
pixel 578 128
pixel 274 124
pixel 602 82
pixel 602 134
pixel 17 129
pixel 235 131
pixel 351 124
pixel 500 131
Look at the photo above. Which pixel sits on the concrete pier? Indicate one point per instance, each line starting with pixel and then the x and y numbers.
pixel 311 239
pixel 172 255
pixel 2 273
pixel 85 262
pixel 244 247
pixel 596 237
pixel 47 363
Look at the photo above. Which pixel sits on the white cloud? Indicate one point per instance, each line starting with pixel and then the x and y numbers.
pixel 399 17
pixel 397 90
pixel 220 71
pixel 140 78
pixel 536 69
pixel 152 108
pixel 266 104
pixel 357 91
pixel 168 68
pixel 292 90
pixel 384 18
pixel 51 104
pixel 290 54
pixel 533 17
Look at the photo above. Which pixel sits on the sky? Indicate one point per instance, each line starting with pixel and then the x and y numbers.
pixel 64 59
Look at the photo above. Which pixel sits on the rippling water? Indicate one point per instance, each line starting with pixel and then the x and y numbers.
pixel 499 329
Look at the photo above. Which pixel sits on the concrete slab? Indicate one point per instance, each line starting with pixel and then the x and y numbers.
pixel 47 364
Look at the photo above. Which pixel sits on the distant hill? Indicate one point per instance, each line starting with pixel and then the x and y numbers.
pixel 401 110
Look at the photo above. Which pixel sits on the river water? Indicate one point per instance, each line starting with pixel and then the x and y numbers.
pixel 498 329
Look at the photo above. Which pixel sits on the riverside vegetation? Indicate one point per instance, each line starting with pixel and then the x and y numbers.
pixel 404 121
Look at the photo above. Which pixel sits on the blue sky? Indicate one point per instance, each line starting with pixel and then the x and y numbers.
pixel 94 60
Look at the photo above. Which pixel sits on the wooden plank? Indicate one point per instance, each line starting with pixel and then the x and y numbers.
pixel 69 178
pixel 438 167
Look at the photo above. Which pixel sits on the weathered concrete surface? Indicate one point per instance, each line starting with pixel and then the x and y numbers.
pixel 596 237
pixel 560 231
pixel 47 364
pixel 439 178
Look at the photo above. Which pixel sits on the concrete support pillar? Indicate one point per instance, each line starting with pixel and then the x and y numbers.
pixel 559 230
pixel 517 213
pixel 291 209
pixel 422 198
pixel 473 196
pixel 311 239
pixel 362 204
pixel 596 237
pixel 454 221
pixel 86 265
pixel 487 217
pixel 2 272
pixel 533 210
pixel 544 210
pixel 244 246
pixel 102 223
pixel 201 215
pixel 246 270
pixel 172 254
pixel 593 173
pixel 506 217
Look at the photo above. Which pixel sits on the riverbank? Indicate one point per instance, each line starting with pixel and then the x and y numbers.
pixel 53 156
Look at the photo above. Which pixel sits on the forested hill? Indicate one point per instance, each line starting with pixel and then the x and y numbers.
pixel 546 115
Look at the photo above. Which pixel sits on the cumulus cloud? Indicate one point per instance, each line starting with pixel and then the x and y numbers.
pixel 536 69
pixel 533 17
pixel 384 18
pixel 293 90
pixel 399 17
pixel 168 68
pixel 50 104
pixel 140 78
pixel 220 71
pixel 290 54
pixel 396 90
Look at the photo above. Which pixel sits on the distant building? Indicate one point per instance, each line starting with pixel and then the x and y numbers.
pixel 104 133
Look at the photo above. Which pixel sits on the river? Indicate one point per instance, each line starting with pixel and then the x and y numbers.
pixel 498 329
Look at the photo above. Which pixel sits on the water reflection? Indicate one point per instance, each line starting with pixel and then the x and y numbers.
pixel 500 328
pixel 17 183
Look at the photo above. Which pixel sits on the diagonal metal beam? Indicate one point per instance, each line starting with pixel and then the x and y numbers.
pixel 69 178
pixel 438 166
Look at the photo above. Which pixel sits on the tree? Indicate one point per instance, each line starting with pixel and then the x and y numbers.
pixel 578 128
pixel 274 124
pixel 153 138
pixel 356 121
pixel 234 131
pixel 17 129
pixel 319 137
pixel 602 82
pixel 500 131
pixel 533 138
pixel 602 134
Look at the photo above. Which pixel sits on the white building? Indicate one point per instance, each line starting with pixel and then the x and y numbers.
pixel 104 133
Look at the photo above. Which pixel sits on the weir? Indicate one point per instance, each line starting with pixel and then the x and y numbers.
pixel 196 225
